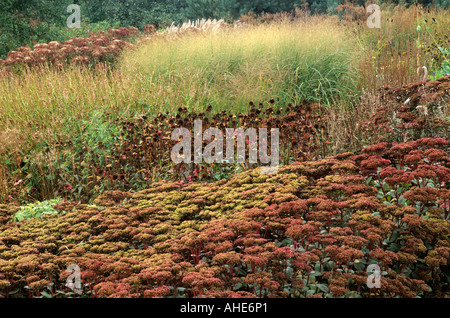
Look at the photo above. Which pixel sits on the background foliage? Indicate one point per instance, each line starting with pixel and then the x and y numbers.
pixel 27 22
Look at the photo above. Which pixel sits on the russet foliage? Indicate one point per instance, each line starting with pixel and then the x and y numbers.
pixel 308 231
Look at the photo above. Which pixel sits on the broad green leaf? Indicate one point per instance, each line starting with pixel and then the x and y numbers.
pixel 46 295
pixel 323 287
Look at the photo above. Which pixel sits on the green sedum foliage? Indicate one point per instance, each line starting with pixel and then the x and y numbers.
pixel 310 230
pixel 36 210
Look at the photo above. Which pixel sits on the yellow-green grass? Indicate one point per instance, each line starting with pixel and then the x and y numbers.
pixel 45 101
pixel 407 40
pixel 286 61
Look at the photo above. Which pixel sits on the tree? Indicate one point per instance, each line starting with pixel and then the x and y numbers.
pixel 135 13
pixel 22 21
pixel 232 9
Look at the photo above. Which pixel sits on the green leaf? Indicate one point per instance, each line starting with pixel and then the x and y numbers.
pixel 286 242
pixel 446 272
pixel 323 287
pixel 394 247
pixel 360 266
pixel 13 292
pixel 46 295
pixel 289 270
pixel 317 267
pixel 314 274
pixel 402 200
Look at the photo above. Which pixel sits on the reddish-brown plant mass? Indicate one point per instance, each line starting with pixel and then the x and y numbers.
pixel 141 153
pixel 310 230
pixel 410 112
pixel 98 48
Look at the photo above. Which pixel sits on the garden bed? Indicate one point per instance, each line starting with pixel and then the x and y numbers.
pixel 311 230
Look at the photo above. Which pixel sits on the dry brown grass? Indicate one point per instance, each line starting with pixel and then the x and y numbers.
pixel 393 53
pixel 345 124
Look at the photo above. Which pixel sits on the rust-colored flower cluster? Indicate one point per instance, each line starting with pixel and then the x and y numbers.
pixel 103 47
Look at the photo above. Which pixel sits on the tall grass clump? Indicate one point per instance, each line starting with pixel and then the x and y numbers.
pixel 41 102
pixel 286 61
pixel 409 38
